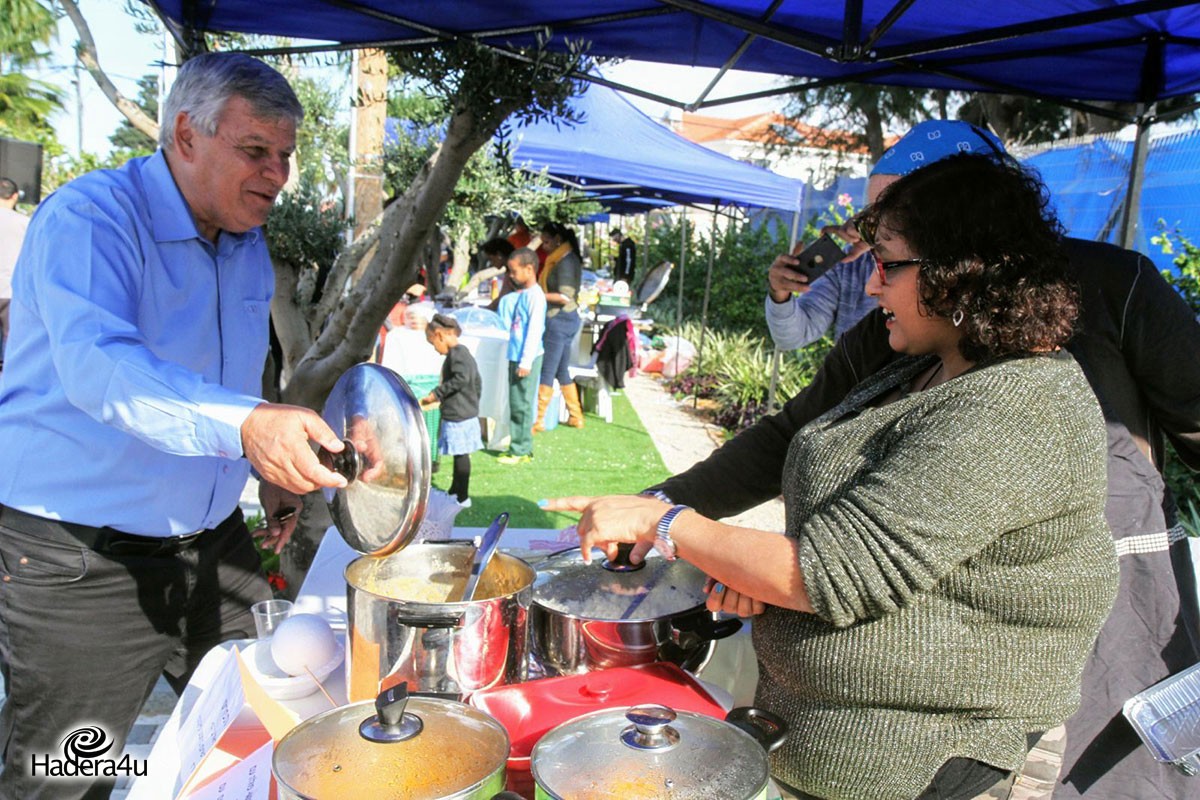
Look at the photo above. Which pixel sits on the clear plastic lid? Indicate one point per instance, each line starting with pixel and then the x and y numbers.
pixel 445 747
pixel 1167 717
pixel 661 588
pixel 651 753
pixel 386 460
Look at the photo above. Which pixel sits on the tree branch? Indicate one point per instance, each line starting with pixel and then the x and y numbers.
pixel 86 51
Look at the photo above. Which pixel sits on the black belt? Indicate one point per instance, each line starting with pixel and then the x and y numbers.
pixel 106 541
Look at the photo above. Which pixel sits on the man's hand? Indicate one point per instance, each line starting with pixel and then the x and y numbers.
pixel 275 439
pixel 783 279
pixel 282 511
pixel 848 233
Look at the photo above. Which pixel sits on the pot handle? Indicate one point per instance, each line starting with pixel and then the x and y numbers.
pixel 694 630
pixel 448 621
pixel 768 730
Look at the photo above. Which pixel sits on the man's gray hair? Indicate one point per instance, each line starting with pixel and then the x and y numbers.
pixel 205 83
pixel 8 187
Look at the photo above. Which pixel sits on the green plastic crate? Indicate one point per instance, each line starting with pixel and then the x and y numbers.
pixel 422 385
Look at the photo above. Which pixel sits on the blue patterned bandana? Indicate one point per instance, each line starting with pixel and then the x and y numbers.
pixel 934 140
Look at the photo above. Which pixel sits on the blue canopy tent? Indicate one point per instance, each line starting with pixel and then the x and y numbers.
pixel 1070 51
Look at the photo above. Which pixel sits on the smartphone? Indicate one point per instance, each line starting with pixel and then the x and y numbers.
pixel 818 257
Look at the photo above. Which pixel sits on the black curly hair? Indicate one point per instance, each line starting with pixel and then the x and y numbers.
pixel 992 249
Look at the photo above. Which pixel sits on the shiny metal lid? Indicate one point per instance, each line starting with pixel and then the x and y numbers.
pixel 410 747
pixel 650 752
pixel 386 460
pixel 604 591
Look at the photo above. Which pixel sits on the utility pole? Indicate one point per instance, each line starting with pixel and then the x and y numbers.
pixel 370 116
pixel 78 110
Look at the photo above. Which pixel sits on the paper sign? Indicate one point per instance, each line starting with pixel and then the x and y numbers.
pixel 214 711
pixel 273 716
pixel 248 779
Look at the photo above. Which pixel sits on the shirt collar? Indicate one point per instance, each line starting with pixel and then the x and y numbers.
pixel 170 217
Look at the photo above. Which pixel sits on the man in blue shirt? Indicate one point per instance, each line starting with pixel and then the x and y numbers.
pixel 130 416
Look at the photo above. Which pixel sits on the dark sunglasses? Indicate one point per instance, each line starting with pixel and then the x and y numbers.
pixel 883 267
pixel 866 222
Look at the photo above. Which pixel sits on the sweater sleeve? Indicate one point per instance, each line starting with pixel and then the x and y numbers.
pixel 455 377
pixel 805 318
pixel 747 470
pixel 955 472
pixel 537 327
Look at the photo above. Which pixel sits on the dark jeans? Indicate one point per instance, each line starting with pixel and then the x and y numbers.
pixel 85 635
pixel 560 332
pixel 521 392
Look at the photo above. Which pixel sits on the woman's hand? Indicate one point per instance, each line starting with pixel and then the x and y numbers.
pixel 731 601
pixel 608 521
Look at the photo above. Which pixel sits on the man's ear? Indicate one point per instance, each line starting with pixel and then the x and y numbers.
pixel 185 136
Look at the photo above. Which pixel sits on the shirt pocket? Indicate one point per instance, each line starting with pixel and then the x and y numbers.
pixel 32 561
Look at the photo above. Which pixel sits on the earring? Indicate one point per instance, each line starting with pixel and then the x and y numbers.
pixel 957 317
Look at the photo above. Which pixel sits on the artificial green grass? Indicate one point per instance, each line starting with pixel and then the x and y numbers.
pixel 600 458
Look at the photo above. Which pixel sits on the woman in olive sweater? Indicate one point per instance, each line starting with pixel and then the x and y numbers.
pixel 947 564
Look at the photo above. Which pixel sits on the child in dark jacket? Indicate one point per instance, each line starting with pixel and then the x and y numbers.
pixel 458 394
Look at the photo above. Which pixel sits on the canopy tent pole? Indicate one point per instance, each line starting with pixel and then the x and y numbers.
pixel 679 287
pixel 712 254
pixel 1137 176
pixel 777 355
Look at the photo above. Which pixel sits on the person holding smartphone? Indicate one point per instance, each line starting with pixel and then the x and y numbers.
pixel 801 309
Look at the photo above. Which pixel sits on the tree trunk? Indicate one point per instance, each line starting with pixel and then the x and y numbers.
pixel 370 117
pixel 405 226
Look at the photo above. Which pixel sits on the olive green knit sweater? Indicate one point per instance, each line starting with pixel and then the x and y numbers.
pixel 955 550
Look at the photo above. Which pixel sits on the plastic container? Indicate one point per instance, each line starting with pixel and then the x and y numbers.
pixel 529 710
pixel 422 385
pixel 1167 718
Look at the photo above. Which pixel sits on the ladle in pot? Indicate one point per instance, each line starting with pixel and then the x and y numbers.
pixel 483 554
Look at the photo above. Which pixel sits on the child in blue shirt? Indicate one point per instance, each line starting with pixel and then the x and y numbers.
pixel 523 313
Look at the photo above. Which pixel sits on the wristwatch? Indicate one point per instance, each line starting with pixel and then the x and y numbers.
pixel 663 542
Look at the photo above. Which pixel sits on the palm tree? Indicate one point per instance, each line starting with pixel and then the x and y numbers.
pixel 25 103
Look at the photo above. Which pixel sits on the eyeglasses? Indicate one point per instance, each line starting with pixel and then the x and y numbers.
pixel 883 267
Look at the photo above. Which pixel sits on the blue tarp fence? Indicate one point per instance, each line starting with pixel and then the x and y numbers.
pixel 1087 187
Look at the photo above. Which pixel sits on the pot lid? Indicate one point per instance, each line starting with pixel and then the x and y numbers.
pixel 393 747
pixel 386 459
pixel 604 591
pixel 650 752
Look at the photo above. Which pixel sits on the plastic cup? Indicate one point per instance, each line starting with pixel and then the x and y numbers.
pixel 268 614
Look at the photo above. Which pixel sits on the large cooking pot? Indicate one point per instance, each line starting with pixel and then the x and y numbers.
pixel 407 625
pixel 396 747
pixel 652 752
pixel 617 614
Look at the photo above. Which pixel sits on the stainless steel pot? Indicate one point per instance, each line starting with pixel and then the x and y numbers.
pixel 652 752
pixel 405 624
pixel 614 614
pixel 393 748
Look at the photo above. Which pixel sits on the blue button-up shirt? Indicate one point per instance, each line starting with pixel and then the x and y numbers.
pixel 136 352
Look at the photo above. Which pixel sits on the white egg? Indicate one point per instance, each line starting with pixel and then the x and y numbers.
pixel 302 641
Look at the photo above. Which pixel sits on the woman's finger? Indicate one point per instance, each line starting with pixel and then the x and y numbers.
pixel 577 503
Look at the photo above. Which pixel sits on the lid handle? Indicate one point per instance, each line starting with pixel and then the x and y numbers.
pixel 622 563
pixel 390 724
pixel 347 463
pixel 651 729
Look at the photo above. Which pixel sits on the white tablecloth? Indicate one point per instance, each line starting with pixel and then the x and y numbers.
pixel 731 669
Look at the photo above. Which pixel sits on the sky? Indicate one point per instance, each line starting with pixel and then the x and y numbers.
pixel 126 55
